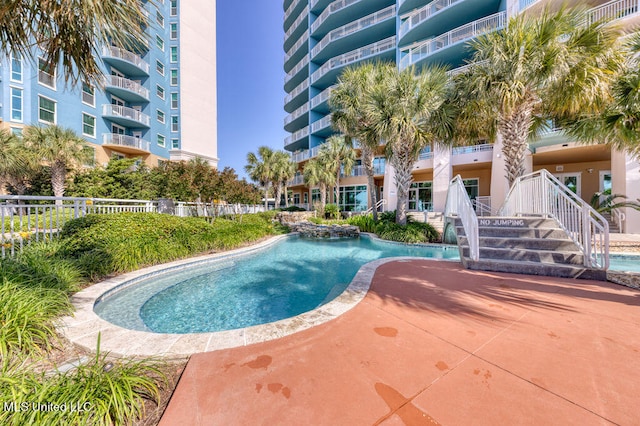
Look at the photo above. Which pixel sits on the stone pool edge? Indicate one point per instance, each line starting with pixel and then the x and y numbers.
pixel 83 327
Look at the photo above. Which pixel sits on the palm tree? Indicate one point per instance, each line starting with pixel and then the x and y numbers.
pixel 553 67
pixel 408 111
pixel 71 31
pixel 61 148
pixel 260 169
pixel 10 160
pixel 285 171
pixel 349 114
pixel 338 156
pixel 316 173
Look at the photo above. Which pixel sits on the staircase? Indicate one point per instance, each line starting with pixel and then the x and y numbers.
pixel 613 226
pixel 525 245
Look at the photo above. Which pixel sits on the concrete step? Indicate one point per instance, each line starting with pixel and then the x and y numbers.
pixel 543 256
pixel 536 268
pixel 491 231
pixel 514 222
pixel 524 243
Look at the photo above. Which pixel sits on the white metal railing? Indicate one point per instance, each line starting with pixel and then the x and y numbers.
pixel 125 83
pixel 616 9
pixel 466 32
pixel 125 140
pixel 299 67
pixel 353 56
pixel 332 8
pixel 296 136
pixel 292 6
pixel 117 52
pixel 297 180
pixel 303 16
pixel 304 38
pixel 379 207
pixel 619 219
pixel 355 26
pixel 361 171
pixel 418 16
pixel 540 193
pixel 425 153
pixel 472 148
pixel 298 90
pixel 321 124
pixel 297 113
pixel 459 206
pixel 306 154
pixel 322 96
pixel 122 111
pixel 482 205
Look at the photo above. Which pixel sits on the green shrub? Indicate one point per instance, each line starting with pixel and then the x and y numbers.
pixel 331 211
pixel 27 314
pixel 364 222
pixel 293 209
pixel 430 233
pixel 388 216
pixel 413 232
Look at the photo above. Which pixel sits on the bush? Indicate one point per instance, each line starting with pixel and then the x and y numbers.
pixel 413 232
pixel 331 211
pixel 293 209
pixel 364 222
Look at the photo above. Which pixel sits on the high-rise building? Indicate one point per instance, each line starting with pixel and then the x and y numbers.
pixel 323 37
pixel 157 103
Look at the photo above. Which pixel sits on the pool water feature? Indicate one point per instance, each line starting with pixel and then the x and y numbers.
pixel 280 281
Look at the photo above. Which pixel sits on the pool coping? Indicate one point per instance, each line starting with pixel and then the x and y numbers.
pixel 84 326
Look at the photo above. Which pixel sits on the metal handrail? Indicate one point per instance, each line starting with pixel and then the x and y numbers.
pixel 540 193
pixel 379 204
pixel 459 206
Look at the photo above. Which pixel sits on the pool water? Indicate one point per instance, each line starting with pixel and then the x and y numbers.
pixel 626 263
pixel 286 279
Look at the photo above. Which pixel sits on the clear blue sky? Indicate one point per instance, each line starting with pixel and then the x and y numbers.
pixel 250 79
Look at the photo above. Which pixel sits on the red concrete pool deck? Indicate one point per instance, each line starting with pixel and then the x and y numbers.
pixel 433 343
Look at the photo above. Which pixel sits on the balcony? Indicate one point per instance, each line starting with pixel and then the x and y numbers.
pixel 296 76
pixel 423 14
pixel 628 10
pixel 297 118
pixel 319 102
pixel 297 139
pixel 297 180
pixel 360 171
pixel 124 116
pixel 333 7
pixel 302 88
pixel 329 71
pixel 126 89
pixel 296 52
pixel 125 144
pixel 127 62
pixel 481 153
pixel 300 156
pixel 420 51
pixel 322 124
pixel 339 38
pixel 292 12
pixel 318 5
pixel 296 29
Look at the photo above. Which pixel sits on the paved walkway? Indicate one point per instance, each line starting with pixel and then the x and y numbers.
pixel 432 343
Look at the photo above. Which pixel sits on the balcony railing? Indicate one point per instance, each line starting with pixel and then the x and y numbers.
pixel 613 10
pixel 472 148
pixel 291 9
pixel 333 7
pixel 301 41
pixel 301 156
pixel 116 52
pixel 360 171
pixel 418 16
pixel 130 113
pixel 299 66
pixel 322 96
pixel 297 180
pixel 353 56
pixel 297 113
pixel 302 133
pixel 458 35
pixel 125 140
pixel 300 19
pixel 353 27
pixel 425 153
pixel 321 124
pixel 299 89
pixel 125 83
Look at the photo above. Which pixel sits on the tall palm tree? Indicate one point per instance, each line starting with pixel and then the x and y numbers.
pixel 260 168
pixel 552 67
pixel 61 148
pixel 71 31
pixel 316 173
pixel 408 111
pixel 10 160
pixel 338 156
pixel 348 102
pixel 285 171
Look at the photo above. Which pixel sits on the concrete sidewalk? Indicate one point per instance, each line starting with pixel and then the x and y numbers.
pixel 433 343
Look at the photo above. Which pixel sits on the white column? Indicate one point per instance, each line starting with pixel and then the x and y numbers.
pixel 625 180
pixel 499 184
pixel 442 175
pixel 389 187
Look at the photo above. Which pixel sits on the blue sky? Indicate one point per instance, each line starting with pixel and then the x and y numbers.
pixel 250 79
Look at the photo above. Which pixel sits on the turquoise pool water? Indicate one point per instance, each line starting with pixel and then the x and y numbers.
pixel 283 280
pixel 627 263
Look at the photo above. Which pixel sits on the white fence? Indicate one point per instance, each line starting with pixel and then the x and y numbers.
pixel 24 219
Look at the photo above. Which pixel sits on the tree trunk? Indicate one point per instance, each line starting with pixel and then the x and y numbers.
pixel 278 196
pixel 402 162
pixel 266 197
pixel 515 132
pixel 323 197
pixel 337 193
pixel 367 161
pixel 286 196
pixel 58 174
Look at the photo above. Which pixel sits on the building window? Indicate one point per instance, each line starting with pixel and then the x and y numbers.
pixel 88 94
pixel 160 67
pixel 174 8
pixel 88 125
pixel 159 42
pixel 296 199
pixel 353 198
pixel 160 116
pixel 305 197
pixel 159 18
pixel 160 91
pixel 173 33
pixel 16 104
pixel 421 196
pixel 175 143
pixel 471 185
pixel 315 195
pixel 175 123
pixel 174 77
pixel 174 54
pixel 161 140
pixel 46 73
pixel 46 110
pixel 16 67
pixel 174 100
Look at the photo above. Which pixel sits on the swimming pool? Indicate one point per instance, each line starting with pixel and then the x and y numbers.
pixel 624 263
pixel 293 276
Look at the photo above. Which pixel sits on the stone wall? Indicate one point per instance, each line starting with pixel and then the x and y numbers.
pixel 311 230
